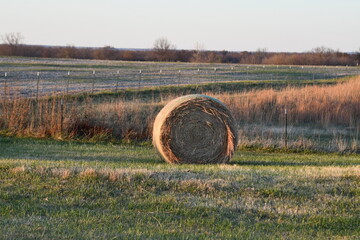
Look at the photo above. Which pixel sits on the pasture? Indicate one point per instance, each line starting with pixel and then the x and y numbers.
pixel 73 190
pixel 102 100
pixel 76 160
pixel 31 76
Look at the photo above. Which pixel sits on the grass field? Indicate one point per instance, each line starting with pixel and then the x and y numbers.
pixel 322 116
pixel 105 181
pixel 59 76
pixel 72 190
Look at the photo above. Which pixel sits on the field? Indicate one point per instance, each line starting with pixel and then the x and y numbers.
pixel 71 190
pixel 95 100
pixel 61 76
pixel 76 160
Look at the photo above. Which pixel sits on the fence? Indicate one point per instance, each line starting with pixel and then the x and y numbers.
pixel 34 78
pixel 30 81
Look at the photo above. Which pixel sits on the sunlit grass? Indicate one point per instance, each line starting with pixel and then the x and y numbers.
pixel 53 189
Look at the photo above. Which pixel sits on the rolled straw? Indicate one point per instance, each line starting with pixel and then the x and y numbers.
pixel 195 129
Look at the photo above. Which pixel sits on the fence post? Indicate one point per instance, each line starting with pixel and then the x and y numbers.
pixel 61 116
pixel 68 83
pixel 117 80
pixel 160 77
pixel 247 73
pixel 37 85
pixel 5 85
pixel 93 82
pixel 179 77
pixel 286 130
pixel 232 74
pixel 198 76
pixel 215 69
pixel 5 95
pixel 357 135
pixel 139 79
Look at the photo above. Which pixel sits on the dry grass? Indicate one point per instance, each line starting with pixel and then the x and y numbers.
pixel 326 107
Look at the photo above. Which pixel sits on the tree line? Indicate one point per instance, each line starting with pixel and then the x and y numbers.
pixel 164 51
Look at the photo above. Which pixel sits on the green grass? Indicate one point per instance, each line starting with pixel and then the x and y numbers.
pixel 71 190
pixel 156 93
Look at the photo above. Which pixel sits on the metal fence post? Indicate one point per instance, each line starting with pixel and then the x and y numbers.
pixel 179 78
pixel 68 83
pixel 117 81
pixel 93 82
pixel 139 79
pixel 247 73
pixel 61 116
pixel 37 85
pixel 357 135
pixel 286 129
pixel 215 69
pixel 5 85
pixel 160 77
pixel 232 74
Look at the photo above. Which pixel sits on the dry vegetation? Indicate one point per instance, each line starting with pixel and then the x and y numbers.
pixel 324 105
pixel 164 51
pixel 315 106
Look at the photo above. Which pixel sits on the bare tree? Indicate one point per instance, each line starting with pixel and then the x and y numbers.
pixel 322 50
pixel 12 40
pixel 164 49
pixel 358 57
pixel 198 53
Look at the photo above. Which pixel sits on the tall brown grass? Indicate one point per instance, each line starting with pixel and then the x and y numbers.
pixel 336 106
pixel 324 105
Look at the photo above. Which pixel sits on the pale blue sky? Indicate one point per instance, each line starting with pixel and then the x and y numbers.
pixel 277 25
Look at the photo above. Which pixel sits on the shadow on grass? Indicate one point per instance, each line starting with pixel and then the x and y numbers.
pixel 86 159
pixel 54 150
pixel 294 164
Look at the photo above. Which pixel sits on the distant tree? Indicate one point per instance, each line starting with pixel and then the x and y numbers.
pixel 68 52
pixel 183 55
pixel 357 54
pixel 164 49
pixel 327 56
pixel 198 53
pixel 322 50
pixel 213 57
pixel 129 55
pixel 260 55
pixel 12 38
pixel 107 52
pixel 12 41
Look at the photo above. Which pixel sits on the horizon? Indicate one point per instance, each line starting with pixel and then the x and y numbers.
pixel 234 26
pixel 177 49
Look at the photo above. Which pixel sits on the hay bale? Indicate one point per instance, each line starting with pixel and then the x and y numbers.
pixel 195 129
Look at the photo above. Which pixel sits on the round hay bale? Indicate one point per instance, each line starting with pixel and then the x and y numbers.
pixel 195 129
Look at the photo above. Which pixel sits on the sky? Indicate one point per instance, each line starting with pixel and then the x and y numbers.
pixel 242 25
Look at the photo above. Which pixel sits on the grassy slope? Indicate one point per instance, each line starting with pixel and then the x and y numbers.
pixel 61 190
pixel 155 93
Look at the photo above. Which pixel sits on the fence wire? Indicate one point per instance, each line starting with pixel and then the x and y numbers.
pixel 52 77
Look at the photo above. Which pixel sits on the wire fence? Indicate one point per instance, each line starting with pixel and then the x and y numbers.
pixel 53 80
pixel 38 78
